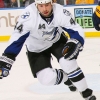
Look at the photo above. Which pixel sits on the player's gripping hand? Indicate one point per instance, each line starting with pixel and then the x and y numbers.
pixel 72 49
pixel 5 65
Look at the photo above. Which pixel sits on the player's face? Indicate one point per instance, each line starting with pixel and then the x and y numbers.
pixel 45 9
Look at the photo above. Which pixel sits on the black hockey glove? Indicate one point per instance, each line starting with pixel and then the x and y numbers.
pixel 96 17
pixel 6 62
pixel 72 49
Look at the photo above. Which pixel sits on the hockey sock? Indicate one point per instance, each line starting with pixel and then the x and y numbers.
pixel 78 79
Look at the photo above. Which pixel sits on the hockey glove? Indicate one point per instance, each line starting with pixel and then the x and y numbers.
pixel 6 62
pixel 72 49
pixel 96 17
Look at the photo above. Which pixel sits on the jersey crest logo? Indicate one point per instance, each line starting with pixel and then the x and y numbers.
pixel 66 12
pixel 25 15
pixel 51 34
pixel 41 26
pixel 48 33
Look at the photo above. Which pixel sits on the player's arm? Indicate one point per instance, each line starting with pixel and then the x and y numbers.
pixel 76 41
pixel 96 17
pixel 17 39
pixel 12 50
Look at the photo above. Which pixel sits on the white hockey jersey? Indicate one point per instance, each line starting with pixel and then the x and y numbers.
pixel 38 34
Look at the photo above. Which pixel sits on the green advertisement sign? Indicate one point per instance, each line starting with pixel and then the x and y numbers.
pixel 83 16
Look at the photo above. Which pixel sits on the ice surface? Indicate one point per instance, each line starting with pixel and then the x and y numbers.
pixel 20 84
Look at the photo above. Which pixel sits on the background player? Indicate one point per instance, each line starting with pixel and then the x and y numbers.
pixel 96 17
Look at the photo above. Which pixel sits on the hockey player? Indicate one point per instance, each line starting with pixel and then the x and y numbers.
pixel 40 28
pixel 96 17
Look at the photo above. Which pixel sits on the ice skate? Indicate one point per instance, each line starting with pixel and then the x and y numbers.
pixel 70 85
pixel 87 95
pixel 72 88
pixel 91 98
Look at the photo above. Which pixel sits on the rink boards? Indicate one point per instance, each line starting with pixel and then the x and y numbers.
pixel 82 15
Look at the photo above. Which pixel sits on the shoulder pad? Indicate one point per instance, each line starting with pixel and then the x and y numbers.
pixel 24 16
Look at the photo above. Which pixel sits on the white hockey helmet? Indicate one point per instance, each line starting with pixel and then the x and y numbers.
pixel 42 1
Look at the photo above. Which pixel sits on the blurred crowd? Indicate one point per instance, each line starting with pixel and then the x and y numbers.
pixel 24 3
pixel 13 3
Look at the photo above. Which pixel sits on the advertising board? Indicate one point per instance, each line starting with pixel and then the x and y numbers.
pixel 82 15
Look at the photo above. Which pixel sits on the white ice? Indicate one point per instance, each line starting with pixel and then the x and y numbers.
pixel 21 85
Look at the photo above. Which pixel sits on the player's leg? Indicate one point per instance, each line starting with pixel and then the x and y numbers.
pixel 76 75
pixel 41 68
pixel 49 76
pixel 73 71
pixel 56 50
